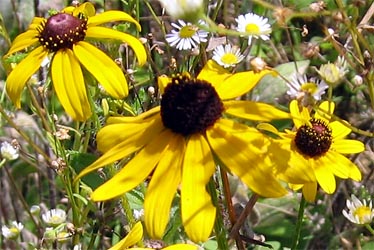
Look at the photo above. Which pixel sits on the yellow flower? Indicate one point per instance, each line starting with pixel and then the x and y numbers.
pixel 136 234
pixel 179 143
pixel 314 151
pixel 63 35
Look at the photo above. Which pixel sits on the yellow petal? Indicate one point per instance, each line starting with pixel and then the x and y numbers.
pixel 135 134
pixel 139 118
pixel 300 116
pixel 198 212
pixel 310 191
pixel 238 84
pixel 289 165
pixel 254 111
pixel 345 146
pixel 107 73
pixel 112 16
pixel 324 175
pixel 341 163
pixel 181 247
pixel 244 153
pixel 87 9
pixel 162 82
pixel 134 172
pixel 163 186
pixel 133 42
pixel 23 41
pixel 133 237
pixel 120 150
pixel 339 131
pixel 24 70
pixel 228 85
pixel 69 85
pixel 324 111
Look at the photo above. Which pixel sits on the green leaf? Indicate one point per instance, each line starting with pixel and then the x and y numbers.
pixel 272 88
pixel 79 161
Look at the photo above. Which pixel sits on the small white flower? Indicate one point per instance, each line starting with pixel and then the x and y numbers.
pixel 13 231
pixel 227 56
pixel 300 86
pixel 189 10
pixel 138 214
pixel 8 151
pixel 77 247
pixel 186 36
pixel 255 25
pixel 54 217
pixel 359 212
pixel 333 73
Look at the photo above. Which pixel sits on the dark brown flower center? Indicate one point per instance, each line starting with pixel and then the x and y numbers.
pixel 190 106
pixel 61 31
pixel 314 141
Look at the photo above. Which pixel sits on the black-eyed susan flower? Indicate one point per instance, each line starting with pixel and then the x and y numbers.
pixel 186 36
pixel 63 35
pixel 227 55
pixel 315 150
pixel 179 142
pixel 136 235
pixel 359 212
pixel 254 25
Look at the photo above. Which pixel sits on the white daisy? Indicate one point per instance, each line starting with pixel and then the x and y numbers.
pixel 254 25
pixel 54 217
pixel 227 56
pixel 186 36
pixel 300 87
pixel 8 151
pixel 359 212
pixel 13 231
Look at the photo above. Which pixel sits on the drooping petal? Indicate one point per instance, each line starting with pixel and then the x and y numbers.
pixel 310 191
pixel 135 171
pixel 338 169
pixel 212 70
pixel 300 116
pixel 254 111
pixel 324 175
pixel 69 85
pixel 137 132
pixel 339 131
pixel 22 72
pixel 243 151
pixel 133 42
pixel 163 186
pixel 131 119
pixel 198 212
pixel 112 16
pixel 342 163
pixel 23 41
pixel 134 236
pixel 120 150
pixel 181 247
pixel 345 146
pixel 324 111
pixel 103 68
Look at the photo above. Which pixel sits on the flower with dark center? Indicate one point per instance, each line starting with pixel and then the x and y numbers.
pixel 313 154
pixel 179 142
pixel 313 140
pixel 190 106
pixel 63 35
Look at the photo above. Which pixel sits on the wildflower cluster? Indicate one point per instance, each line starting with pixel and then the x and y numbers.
pixel 150 147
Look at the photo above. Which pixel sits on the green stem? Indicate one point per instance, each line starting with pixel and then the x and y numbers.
pixel 299 223
pixel 219 226
pixel 369 228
